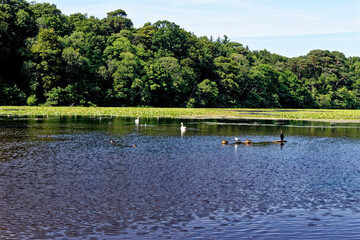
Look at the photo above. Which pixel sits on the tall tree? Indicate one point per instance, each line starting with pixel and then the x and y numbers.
pixel 46 67
pixel 170 40
pixel 117 20
pixel 50 17
pixel 16 25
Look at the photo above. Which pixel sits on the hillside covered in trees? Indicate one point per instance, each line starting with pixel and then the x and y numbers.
pixel 49 58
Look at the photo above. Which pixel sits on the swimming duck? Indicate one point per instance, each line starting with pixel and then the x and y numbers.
pixel 247 141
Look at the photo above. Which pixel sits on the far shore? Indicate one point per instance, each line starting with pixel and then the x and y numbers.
pixel 323 115
pixel 273 118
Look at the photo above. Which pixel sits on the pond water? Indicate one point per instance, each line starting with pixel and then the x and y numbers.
pixel 63 178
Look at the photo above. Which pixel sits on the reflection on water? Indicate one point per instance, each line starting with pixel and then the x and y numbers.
pixel 62 178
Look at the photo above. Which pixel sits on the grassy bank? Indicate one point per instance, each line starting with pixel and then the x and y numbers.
pixel 307 114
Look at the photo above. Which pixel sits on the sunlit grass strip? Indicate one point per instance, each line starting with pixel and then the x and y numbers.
pixel 300 114
pixel 305 114
pixel 106 111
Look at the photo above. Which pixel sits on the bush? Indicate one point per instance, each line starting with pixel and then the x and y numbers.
pixel 191 103
pixel 32 100
pixel 11 95
pixel 63 97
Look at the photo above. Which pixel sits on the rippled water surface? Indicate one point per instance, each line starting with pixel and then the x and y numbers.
pixel 63 178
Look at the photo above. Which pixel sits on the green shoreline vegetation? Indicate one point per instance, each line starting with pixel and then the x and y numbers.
pixel 197 113
pixel 51 59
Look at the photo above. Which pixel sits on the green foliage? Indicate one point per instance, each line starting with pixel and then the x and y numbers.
pixel 169 39
pixel 16 25
pixel 11 95
pixel 32 100
pixel 67 96
pixel 206 94
pixel 80 60
pixel 47 16
pixel 47 65
pixel 292 93
pixel 117 21
pixel 264 87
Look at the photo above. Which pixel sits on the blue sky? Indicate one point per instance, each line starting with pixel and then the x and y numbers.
pixel 287 27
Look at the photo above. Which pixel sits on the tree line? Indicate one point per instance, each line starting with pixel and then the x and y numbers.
pixel 48 58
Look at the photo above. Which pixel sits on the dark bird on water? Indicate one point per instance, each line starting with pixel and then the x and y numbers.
pixel 282 136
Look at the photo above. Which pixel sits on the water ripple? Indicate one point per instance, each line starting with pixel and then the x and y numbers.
pixel 76 184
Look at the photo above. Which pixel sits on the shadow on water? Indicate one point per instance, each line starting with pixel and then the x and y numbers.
pixel 64 178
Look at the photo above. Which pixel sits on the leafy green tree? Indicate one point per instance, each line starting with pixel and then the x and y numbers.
pixel 345 99
pixel 88 25
pixel 117 20
pixel 47 62
pixel 233 78
pixel 170 40
pixel 206 94
pixel 324 101
pixel 266 57
pixel 264 88
pixel 67 96
pixel 158 82
pixel 122 69
pixel 16 25
pixel 32 100
pixel 48 16
pixel 292 93
pixel 354 73
pixel 11 95
pixel 202 53
pixel 227 71
pixel 144 35
pixel 78 74
pixel 124 76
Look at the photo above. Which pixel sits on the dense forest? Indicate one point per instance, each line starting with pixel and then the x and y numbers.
pixel 48 58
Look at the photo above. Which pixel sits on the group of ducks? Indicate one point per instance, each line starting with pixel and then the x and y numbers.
pixel 247 141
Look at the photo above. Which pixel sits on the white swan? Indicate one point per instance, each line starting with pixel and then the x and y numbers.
pixel 182 128
pixel 137 121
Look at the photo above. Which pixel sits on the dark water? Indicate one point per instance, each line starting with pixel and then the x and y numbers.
pixel 76 184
